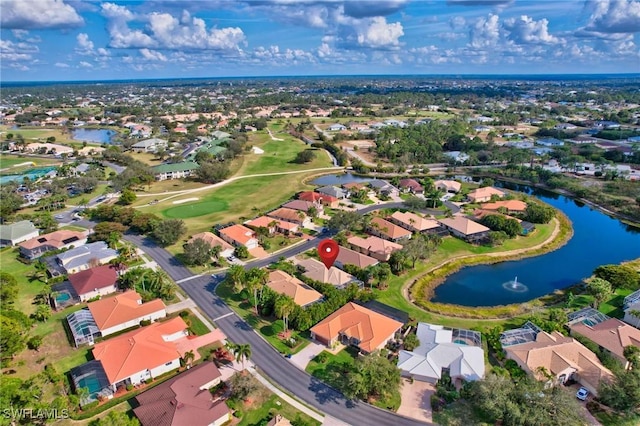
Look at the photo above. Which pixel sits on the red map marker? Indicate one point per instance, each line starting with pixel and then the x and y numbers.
pixel 328 251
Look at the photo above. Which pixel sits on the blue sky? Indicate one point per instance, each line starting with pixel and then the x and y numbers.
pixel 91 40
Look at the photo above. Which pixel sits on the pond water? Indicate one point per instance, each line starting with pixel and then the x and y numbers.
pixel 339 179
pixel 32 174
pixel 93 135
pixel 598 239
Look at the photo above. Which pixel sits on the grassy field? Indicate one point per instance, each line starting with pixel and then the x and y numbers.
pixel 278 155
pixel 274 405
pixel 9 161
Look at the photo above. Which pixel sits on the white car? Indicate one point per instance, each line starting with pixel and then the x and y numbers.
pixel 582 394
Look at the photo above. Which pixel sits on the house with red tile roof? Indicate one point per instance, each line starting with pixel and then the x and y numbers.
pixel 316 271
pixel 184 400
pixel 387 230
pixel 611 335
pixel 346 256
pixel 283 283
pixel 375 247
pixel 214 241
pixel 511 206
pixel 301 205
pixel 466 229
pixel 316 197
pixel 290 215
pixel 125 310
pixel 141 354
pixel 415 223
pixel 357 326
pixel 239 235
pixel 564 357
pixel 273 225
pixel 412 186
pixel 94 282
pixel 484 194
pixel 57 240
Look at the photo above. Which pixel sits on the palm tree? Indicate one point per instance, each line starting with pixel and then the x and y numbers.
pixel 188 358
pixel 256 280
pixel 215 252
pixel 40 271
pixel 284 307
pixel 236 274
pixel 242 353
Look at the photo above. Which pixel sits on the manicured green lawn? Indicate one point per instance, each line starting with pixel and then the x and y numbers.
pixel 195 209
pixel 333 370
pixel 613 306
pixel 275 405
pixel 28 288
pixel 267 327
pixel 279 155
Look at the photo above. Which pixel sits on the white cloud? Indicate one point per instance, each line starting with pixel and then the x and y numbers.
pixel 485 32
pixel 21 14
pixel 85 64
pixel 480 2
pixel 380 34
pixel 61 65
pixel 84 44
pixel 525 30
pixel 153 55
pixel 613 16
pixel 164 31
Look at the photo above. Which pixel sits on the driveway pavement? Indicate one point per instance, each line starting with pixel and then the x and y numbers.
pixel 302 358
pixel 416 400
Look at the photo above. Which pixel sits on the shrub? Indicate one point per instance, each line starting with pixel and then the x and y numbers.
pixel 129 387
pixel 322 357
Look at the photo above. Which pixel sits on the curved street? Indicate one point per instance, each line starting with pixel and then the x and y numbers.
pixel 201 289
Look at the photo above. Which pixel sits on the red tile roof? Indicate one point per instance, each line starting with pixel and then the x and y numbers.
pixel 94 278
pixel 389 229
pixel 127 354
pixel 54 239
pixel 239 233
pixel 370 328
pixel 119 309
pixel 182 400
pixel 316 197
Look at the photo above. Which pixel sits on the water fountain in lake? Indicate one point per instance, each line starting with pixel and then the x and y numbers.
pixel 515 286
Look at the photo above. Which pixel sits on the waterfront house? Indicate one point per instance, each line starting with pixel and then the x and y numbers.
pixel 484 194
pixel 416 223
pixel 465 229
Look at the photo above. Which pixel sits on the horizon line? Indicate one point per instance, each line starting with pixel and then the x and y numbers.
pixel 450 75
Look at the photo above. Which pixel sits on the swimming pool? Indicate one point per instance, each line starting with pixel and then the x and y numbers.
pixel 460 342
pixel 63 297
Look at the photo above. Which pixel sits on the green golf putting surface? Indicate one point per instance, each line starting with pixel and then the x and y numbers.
pixel 187 210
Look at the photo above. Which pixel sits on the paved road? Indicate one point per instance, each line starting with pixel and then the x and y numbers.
pixel 310 390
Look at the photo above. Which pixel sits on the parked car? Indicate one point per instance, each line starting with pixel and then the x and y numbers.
pixel 582 394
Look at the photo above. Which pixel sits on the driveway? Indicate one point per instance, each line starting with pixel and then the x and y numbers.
pixel 416 400
pixel 302 358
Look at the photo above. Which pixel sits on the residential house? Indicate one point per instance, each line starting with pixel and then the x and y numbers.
pixel 273 225
pixel 457 351
pixel 49 148
pixel 301 205
pixel 84 257
pixel 315 197
pixel 291 215
pixel 148 352
pixel 416 223
pixel 412 186
pixel 347 256
pixel 214 241
pixel 316 271
pixel 383 187
pixel 511 206
pixel 15 233
pixel 466 229
pixel 333 191
pixel 125 310
pixel 564 357
pixel 239 235
pixel 184 400
pixel 337 127
pixel 57 240
pixel 484 194
pixel 219 134
pixel 387 230
pixel 150 145
pixel 174 170
pixel 375 247
pixel 450 186
pixel 80 169
pixel 456 156
pixel 550 142
pixel 94 282
pixel 283 283
pixel 357 326
pixel 611 335
pixel 631 307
